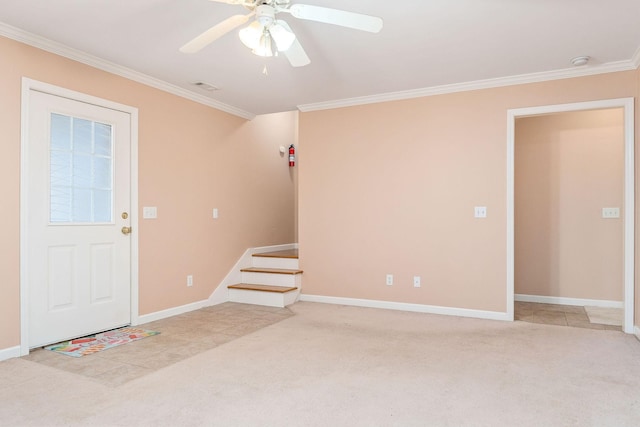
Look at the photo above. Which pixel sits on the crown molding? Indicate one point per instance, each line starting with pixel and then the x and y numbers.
pixel 110 67
pixel 610 67
pixel 635 59
pixel 76 55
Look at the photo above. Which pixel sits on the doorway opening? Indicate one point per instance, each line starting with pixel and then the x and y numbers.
pixel 624 276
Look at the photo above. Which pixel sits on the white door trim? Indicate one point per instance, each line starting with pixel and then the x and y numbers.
pixel 27 86
pixel 629 196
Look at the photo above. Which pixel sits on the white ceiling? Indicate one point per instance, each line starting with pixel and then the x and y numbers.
pixel 424 45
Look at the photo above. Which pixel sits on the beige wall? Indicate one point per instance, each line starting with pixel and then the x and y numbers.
pixel 391 187
pixel 384 188
pixel 192 158
pixel 568 167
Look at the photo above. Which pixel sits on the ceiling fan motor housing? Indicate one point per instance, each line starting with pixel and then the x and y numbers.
pixel 265 15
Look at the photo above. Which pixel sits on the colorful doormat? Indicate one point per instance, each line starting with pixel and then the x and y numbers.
pixel 103 341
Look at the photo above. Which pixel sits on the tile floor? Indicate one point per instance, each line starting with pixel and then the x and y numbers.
pixel 180 337
pixel 555 314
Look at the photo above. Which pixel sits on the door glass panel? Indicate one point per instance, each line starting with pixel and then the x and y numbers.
pixel 60 132
pixel 81 171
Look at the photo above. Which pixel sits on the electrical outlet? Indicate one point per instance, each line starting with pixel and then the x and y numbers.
pixel 189 280
pixel 416 281
pixel 389 279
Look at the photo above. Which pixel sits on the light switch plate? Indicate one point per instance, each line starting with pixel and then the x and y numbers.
pixel 149 212
pixel 480 212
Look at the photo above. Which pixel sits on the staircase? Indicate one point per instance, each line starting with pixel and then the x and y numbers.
pixel 273 280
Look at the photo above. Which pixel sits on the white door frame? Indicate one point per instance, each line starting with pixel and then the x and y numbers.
pixel 629 198
pixel 27 86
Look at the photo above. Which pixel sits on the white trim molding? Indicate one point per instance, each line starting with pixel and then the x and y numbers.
pixel 417 308
pixel 611 67
pixel 174 311
pixel 627 104
pixel 110 67
pixel 635 60
pixel 637 332
pixel 9 353
pixel 569 301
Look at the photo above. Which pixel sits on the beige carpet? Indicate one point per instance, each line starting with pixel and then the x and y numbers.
pixel 345 366
pixel 605 315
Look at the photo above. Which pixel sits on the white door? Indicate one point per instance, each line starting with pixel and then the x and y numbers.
pixel 79 254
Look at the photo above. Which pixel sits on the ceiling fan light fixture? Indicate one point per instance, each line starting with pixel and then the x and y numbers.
pixel 264 46
pixel 283 37
pixel 251 35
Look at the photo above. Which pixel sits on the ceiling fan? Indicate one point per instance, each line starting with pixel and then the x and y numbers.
pixel 266 31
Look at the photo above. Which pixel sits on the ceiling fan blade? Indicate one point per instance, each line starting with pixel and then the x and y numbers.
pixel 214 33
pixel 295 54
pixel 357 21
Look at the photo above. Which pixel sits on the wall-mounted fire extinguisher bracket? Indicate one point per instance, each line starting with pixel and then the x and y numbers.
pixel 292 156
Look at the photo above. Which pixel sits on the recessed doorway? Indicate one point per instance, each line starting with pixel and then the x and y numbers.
pixel 624 280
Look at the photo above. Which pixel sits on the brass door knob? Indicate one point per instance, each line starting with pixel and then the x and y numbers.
pixel 126 230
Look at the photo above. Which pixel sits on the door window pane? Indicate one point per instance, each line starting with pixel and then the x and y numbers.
pixel 81 171
pixel 60 132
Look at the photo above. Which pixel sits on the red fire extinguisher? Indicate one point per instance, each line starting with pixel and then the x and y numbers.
pixel 292 156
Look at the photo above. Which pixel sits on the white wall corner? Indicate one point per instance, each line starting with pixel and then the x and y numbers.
pixel 221 293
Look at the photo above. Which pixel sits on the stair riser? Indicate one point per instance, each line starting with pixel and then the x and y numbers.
pixel 270 299
pixel 266 262
pixel 271 279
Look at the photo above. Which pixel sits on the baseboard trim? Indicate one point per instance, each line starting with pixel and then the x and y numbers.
pixel 637 332
pixel 418 308
pixel 9 353
pixel 163 314
pixel 569 301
